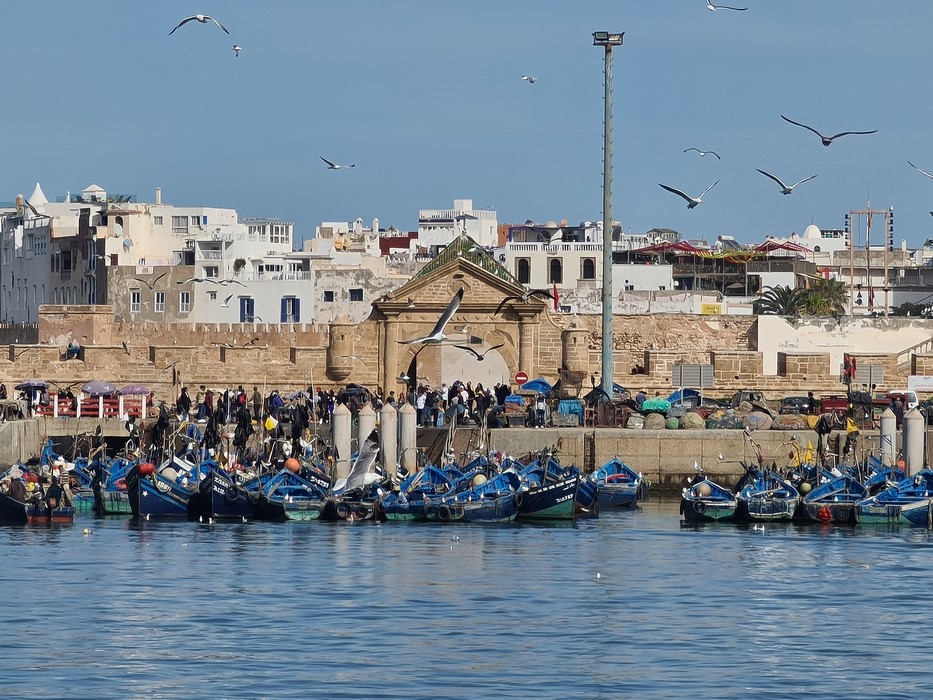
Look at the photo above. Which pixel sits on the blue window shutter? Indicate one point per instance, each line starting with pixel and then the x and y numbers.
pixel 204 221
pixel 284 310
pixel 296 316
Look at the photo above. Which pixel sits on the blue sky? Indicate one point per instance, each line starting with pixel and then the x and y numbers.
pixel 425 97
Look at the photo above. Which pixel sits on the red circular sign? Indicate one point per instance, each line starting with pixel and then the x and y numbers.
pixel 520 378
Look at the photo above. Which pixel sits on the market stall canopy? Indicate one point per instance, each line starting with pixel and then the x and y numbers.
pixel 97 387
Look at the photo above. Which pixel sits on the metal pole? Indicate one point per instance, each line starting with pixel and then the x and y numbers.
pixel 607 225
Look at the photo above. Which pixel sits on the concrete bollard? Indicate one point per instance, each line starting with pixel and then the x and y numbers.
pixel 888 437
pixel 341 426
pixel 365 424
pixel 914 434
pixel 408 445
pixel 388 438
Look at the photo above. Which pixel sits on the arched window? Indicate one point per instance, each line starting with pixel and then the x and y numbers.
pixel 523 270
pixel 555 271
pixel 589 269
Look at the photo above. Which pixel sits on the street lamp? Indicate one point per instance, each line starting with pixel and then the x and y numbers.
pixel 607 40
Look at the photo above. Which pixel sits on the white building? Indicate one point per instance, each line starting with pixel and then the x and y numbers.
pixel 438 227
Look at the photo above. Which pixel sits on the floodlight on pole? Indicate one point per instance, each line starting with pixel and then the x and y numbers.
pixel 607 40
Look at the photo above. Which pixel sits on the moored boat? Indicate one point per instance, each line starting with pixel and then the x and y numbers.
pixel 619 486
pixel 834 501
pixel 909 502
pixel 703 500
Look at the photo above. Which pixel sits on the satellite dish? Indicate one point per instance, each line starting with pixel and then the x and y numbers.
pixel 127 243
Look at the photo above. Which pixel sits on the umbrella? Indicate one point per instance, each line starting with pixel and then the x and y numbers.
pixel 135 390
pixel 31 384
pixel 298 395
pixel 98 388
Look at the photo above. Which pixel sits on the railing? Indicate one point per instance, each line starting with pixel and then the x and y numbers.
pixel 553 247
pixel 210 255
pixel 93 407
pixel 904 357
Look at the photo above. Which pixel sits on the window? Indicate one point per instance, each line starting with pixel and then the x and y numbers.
pixel 356 294
pixel 290 307
pixel 159 303
pixel 555 271
pixel 156 220
pixel 211 271
pixel 184 302
pixel 247 310
pixel 135 298
pixel 195 220
pixel 588 271
pixel 329 295
pixel 523 270
pixel 212 296
pixel 66 261
pixel 179 224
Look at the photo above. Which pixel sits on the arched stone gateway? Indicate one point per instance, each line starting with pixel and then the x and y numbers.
pixel 412 311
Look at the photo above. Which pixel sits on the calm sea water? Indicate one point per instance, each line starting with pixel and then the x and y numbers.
pixel 634 604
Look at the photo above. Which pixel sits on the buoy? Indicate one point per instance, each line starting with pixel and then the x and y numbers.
pixel 805 487
pixel 704 490
pixel 292 464
pixel 824 515
pixel 87 531
pixel 478 480
pixel 146 468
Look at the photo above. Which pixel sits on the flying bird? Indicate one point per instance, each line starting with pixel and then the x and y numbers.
pixel 437 335
pixel 691 201
pixel 922 172
pixel 192 280
pixel 151 285
pixel 236 50
pixel 355 357
pixel 530 78
pixel 203 19
pixel 827 139
pixel 226 301
pixel 703 153
pixel 524 297
pixel 479 356
pixel 331 165
pixel 785 189
pixel 712 8
pixel 223 283
pixel 251 342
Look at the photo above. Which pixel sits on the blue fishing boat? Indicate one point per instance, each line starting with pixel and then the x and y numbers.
pixel 355 497
pixel 550 490
pixel 494 500
pixel 618 485
pixel 157 492
pixel 408 503
pixel 293 495
pixel 765 495
pixel 910 502
pixel 221 496
pixel 703 500
pixel 109 486
pixel 834 501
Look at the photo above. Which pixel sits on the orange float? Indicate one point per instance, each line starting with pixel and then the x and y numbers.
pixel 292 464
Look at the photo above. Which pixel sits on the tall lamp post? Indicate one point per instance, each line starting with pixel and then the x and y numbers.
pixel 607 40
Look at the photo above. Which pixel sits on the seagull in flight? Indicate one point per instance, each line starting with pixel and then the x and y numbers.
pixel 479 356
pixel 530 78
pixel 203 19
pixel 192 280
pixel 223 283
pixel 922 172
pixel 151 285
pixel 827 139
pixel 226 302
pixel 524 297
pixel 437 335
pixel 785 189
pixel 703 153
pixel 331 165
pixel 691 201
pixel 236 50
pixel 712 8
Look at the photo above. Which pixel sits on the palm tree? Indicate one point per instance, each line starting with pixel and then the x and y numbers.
pixel 826 298
pixel 781 301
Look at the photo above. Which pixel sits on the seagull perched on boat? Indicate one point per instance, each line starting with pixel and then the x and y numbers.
pixel 827 139
pixel 524 297
pixel 785 189
pixel 236 50
pixel 922 172
pixel 331 165
pixel 712 8
pixel 529 78
pixel 703 153
pixel 437 335
pixel 691 201
pixel 479 356
pixel 203 19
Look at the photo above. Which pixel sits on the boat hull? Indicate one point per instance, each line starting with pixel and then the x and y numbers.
pixel 555 501
pixel 707 510
pixel 502 509
pixel 914 513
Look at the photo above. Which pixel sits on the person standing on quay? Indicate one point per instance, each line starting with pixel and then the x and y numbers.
pixel 257 404
pixel 183 404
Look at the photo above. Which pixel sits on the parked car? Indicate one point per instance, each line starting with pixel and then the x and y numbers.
pixel 754 397
pixel 798 404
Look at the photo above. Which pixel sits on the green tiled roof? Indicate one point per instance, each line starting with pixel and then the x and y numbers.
pixel 466 248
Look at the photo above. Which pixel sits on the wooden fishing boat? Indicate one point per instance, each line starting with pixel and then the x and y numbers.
pixel 618 485
pixel 408 503
pixel 834 501
pixel 550 491
pixel 34 511
pixel 220 496
pixel 355 497
pixel 157 492
pixel 494 500
pixel 703 500
pixel 764 495
pixel 910 502
pixel 291 495
pixel 109 486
